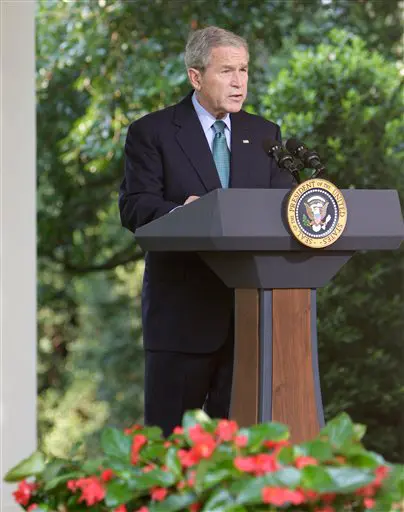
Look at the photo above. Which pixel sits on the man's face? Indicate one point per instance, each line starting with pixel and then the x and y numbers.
pixel 222 87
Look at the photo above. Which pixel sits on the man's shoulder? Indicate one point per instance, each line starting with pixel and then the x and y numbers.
pixel 257 121
pixel 154 119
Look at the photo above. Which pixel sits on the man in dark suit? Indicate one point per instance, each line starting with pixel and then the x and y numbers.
pixel 174 156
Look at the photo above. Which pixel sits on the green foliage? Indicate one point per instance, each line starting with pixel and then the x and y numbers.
pixel 102 64
pixel 213 466
pixel 346 101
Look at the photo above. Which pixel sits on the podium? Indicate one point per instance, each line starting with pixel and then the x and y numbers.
pixel 243 236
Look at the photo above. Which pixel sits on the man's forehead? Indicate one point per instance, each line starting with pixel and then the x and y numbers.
pixel 222 54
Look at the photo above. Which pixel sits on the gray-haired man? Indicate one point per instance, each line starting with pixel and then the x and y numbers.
pixel 174 156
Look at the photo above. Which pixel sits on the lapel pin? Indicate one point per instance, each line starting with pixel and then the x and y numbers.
pixel 246 141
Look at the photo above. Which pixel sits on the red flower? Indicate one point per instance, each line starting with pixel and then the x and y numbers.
pixel 279 496
pixel 107 475
pixel 328 497
pixel 368 491
pixel 92 490
pixel 226 430
pixel 24 492
pixel 310 495
pixel 181 484
pixel 265 464
pixel 381 473
pixel 32 507
pixel 204 446
pixel 200 436
pixel 194 507
pixel 191 478
pixel 241 441
pixel 188 458
pixel 246 464
pixel 148 468
pixel 259 464
pixel 129 431
pixel 72 486
pixel 276 444
pixel 121 508
pixel 369 502
pixel 137 442
pixel 143 509
pixel 158 493
pixel 301 462
pixel 178 430
pixel 204 449
pixel 167 444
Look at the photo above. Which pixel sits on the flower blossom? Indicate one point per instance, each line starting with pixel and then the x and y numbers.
pixel 24 492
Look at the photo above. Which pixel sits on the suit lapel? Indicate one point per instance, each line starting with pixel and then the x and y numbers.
pixel 241 152
pixel 191 138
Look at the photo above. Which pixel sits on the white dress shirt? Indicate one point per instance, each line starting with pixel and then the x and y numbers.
pixel 207 120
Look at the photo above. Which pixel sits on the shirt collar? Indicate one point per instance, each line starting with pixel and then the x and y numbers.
pixel 206 117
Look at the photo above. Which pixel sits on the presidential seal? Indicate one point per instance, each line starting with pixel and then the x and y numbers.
pixel 316 213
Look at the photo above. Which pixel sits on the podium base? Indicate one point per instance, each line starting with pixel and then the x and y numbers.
pixel 276 376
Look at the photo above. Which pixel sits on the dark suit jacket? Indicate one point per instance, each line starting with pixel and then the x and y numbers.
pixel 185 306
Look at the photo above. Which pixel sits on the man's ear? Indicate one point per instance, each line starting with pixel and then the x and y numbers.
pixel 194 76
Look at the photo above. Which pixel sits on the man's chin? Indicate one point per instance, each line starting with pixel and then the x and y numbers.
pixel 234 107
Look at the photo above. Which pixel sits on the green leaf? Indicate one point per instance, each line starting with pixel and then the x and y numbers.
pixel 153 452
pixel 359 430
pixel 94 465
pixel 259 433
pixel 392 490
pixel 349 479
pixel 54 467
pixel 172 462
pixel 319 449
pixel 359 457
pixel 153 433
pixel 317 479
pixel 174 503
pixel 218 500
pixel 33 465
pixel 118 493
pixel 286 455
pixel 156 477
pixel 339 431
pixel 192 418
pixel 116 444
pixel 251 490
pixel 287 477
pixel 62 479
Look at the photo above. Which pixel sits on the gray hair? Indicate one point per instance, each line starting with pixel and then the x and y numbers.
pixel 201 42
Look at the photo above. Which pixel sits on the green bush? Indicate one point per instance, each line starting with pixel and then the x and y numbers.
pixel 214 466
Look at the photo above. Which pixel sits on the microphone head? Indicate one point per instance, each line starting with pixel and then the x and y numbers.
pixel 294 145
pixel 270 144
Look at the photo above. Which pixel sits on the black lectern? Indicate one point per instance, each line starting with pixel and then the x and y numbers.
pixel 243 236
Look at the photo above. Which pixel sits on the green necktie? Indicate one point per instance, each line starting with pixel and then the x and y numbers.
pixel 221 153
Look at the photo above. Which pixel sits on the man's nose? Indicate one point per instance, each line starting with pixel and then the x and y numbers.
pixel 236 79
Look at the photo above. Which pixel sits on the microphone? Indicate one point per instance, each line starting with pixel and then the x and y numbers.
pixel 282 157
pixel 309 158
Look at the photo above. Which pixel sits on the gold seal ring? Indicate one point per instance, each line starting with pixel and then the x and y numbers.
pixel 316 213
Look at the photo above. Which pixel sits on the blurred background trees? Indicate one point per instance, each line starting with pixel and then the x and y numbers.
pixel 328 71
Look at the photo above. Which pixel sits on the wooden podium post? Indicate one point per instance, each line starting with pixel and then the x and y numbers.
pixel 286 391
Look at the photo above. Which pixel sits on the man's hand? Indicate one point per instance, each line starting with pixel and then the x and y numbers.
pixel 191 199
